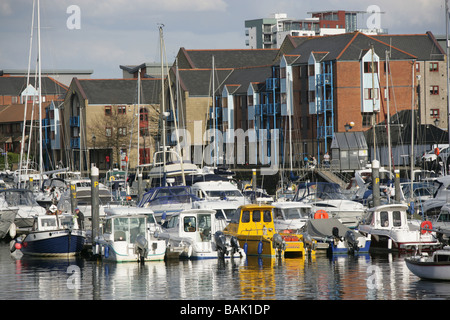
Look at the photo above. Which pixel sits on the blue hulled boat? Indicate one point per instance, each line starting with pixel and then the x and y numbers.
pixel 53 236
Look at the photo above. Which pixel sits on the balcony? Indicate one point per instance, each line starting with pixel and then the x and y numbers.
pixel 75 121
pixel 75 143
pixel 272 83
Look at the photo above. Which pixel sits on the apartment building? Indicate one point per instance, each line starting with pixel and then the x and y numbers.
pixel 98 117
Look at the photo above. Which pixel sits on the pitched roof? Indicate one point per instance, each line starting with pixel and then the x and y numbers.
pixel 423 46
pixel 236 58
pixel 199 81
pixel 346 47
pixel 13 86
pixel 15 112
pixel 120 91
pixel 243 77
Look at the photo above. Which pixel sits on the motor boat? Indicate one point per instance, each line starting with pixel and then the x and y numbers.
pixel 218 190
pixel 190 234
pixel 55 235
pixel 434 267
pixel 390 230
pixel 289 215
pixel 7 226
pixel 224 210
pixel 50 192
pixel 27 208
pixel 432 206
pixel 129 235
pixel 328 197
pixel 334 237
pixel 84 202
pixel 253 226
pixel 165 201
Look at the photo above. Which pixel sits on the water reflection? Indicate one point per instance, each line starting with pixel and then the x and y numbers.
pixel 362 277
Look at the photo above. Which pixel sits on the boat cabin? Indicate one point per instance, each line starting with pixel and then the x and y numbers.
pixel 197 224
pixel 54 222
pixel 390 216
pixel 253 220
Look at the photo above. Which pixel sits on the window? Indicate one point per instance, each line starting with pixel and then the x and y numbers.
pixel 121 110
pixel 417 67
pixel 434 67
pixel 396 219
pixel 189 224
pixel 368 67
pixel 367 119
pixel 370 94
pixel 256 216
pixel 311 96
pixel 245 217
pixel 108 132
pixel 434 113
pixel 108 110
pixel 122 131
pixel 283 73
pixel 267 217
pixel 434 90
pixel 384 219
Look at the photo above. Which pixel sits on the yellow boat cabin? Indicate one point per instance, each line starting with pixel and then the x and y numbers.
pixel 253 226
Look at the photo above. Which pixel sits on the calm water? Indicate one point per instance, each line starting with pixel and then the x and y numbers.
pixel 368 277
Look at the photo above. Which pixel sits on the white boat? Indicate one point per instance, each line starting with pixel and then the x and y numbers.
pixel 189 235
pixel 218 190
pixel 434 267
pixel 328 197
pixel 390 230
pixel 289 215
pixel 7 217
pixel 165 165
pixel 24 201
pixel 224 210
pixel 433 206
pixel 84 202
pixel 52 236
pixel 50 192
pixel 166 201
pixel 129 235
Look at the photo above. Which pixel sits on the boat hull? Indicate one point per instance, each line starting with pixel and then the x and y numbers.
pixel 125 252
pixel 385 243
pixel 54 243
pixel 429 270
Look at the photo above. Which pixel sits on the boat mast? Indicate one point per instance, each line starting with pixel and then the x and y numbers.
pixel 162 101
pixel 448 66
pixel 388 120
pixel 41 162
pixel 22 142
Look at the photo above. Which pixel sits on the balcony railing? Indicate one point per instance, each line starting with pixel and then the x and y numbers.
pixel 75 121
pixel 272 83
pixel 75 143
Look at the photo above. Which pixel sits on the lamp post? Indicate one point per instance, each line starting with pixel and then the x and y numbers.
pixel 93 142
pixel 436 122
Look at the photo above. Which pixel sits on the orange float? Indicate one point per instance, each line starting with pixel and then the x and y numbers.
pixel 321 214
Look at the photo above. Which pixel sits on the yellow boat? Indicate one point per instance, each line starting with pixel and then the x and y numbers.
pixel 253 226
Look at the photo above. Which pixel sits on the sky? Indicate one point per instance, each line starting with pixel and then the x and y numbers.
pixel 101 35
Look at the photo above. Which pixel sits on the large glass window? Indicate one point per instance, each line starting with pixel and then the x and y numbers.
pixel 189 224
pixel 256 216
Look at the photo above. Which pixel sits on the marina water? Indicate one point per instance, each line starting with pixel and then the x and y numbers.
pixel 363 277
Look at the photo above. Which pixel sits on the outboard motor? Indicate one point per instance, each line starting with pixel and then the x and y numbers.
pixel 352 242
pixel 221 243
pixel 278 243
pixel 141 247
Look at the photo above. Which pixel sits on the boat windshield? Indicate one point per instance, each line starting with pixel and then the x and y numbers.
pixel 128 228
pixel 223 193
pixel 292 213
pixel 19 198
pixel 319 191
